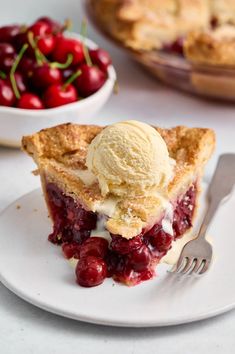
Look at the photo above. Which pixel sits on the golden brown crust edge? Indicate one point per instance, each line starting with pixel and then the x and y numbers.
pixel 203 48
pixel 67 144
pixel 62 143
pixel 54 141
pixel 146 24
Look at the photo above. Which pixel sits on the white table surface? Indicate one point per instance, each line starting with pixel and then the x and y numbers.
pixel 27 329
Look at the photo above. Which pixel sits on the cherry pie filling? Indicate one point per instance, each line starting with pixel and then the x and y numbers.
pixel 127 261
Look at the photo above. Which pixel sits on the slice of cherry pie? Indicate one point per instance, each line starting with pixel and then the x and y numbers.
pixel 116 229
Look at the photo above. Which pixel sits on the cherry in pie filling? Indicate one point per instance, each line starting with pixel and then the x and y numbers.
pixel 127 261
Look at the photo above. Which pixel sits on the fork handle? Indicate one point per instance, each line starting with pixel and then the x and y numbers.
pixel 211 210
pixel 220 188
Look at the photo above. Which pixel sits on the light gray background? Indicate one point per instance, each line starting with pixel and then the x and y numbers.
pixel 26 329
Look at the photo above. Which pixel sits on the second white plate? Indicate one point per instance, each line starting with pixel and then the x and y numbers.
pixel 35 270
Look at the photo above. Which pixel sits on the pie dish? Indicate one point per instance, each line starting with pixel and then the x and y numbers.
pixel 148 25
pixel 168 38
pixel 139 229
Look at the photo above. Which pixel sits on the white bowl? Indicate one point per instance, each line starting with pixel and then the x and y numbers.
pixel 16 122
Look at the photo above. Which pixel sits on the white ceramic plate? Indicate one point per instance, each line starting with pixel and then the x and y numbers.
pixel 35 270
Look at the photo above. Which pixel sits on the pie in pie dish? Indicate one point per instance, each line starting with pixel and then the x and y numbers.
pixel 195 29
pixel 119 196
pixel 150 24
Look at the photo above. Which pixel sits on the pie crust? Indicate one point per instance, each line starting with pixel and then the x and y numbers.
pixel 214 47
pixel 223 11
pixel 60 153
pixel 145 25
pixel 148 24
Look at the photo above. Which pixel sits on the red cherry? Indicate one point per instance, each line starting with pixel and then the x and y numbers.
pixel 140 259
pixel 6 49
pixel 45 39
pixel 19 40
pixel 67 73
pixel 124 246
pixel 54 25
pixel 30 101
pixel 7 56
pixel 40 29
pixel 8 33
pixel 56 95
pixel 64 47
pixel 20 82
pixel 71 250
pixel 153 231
pixel 176 46
pixel 90 80
pixel 44 76
pixel 91 271
pixel 184 212
pixel 7 97
pixel 214 22
pixel 161 241
pixel 113 261
pixel 27 66
pixel 101 58
pixel 46 44
pixel 94 246
pixel 6 63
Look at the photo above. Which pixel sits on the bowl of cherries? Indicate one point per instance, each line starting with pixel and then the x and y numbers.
pixel 49 76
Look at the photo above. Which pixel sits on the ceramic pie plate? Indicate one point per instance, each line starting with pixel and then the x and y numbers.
pixel 36 271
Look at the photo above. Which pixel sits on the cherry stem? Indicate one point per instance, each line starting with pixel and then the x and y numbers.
pixel 40 58
pixel 67 25
pixel 2 75
pixel 65 65
pixel 23 28
pixel 85 49
pixel 116 87
pixel 13 70
pixel 71 79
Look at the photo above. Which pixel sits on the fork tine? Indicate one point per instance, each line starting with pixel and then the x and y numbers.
pixel 180 264
pixel 188 266
pixel 205 266
pixel 197 265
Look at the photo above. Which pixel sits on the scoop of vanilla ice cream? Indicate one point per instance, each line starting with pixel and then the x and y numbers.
pixel 129 158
